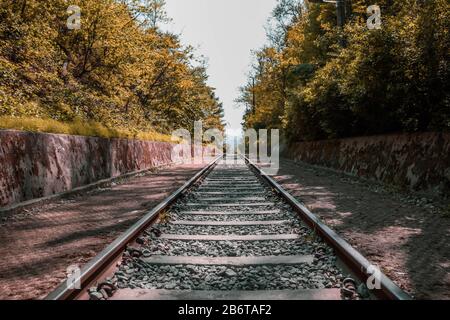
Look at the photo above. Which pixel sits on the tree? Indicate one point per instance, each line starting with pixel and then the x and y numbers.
pixel 388 80
pixel 150 13
pixel 119 69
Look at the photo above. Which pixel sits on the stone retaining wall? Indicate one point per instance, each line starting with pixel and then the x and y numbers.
pixel 35 165
pixel 419 162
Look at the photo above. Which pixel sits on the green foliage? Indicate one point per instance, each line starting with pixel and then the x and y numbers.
pixel 119 69
pixel 389 80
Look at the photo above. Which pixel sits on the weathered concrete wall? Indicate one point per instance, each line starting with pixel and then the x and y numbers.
pixel 35 165
pixel 420 162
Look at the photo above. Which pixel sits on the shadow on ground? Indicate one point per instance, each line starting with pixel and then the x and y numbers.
pixel 37 245
pixel 410 244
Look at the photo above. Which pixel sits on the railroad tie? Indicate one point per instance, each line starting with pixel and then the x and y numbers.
pixel 269 237
pixel 258 295
pixel 258 204
pixel 229 261
pixel 225 213
pixel 224 193
pixel 234 199
pixel 229 223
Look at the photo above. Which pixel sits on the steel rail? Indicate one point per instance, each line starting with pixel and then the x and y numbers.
pixel 103 260
pixel 350 256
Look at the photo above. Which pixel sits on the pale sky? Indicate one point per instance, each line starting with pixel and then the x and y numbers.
pixel 225 32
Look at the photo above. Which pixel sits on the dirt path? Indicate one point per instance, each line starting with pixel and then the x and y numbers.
pixel 39 244
pixel 408 238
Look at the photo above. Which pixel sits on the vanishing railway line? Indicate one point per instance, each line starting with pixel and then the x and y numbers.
pixel 229 233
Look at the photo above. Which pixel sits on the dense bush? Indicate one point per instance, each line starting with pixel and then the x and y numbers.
pixel 394 79
pixel 119 70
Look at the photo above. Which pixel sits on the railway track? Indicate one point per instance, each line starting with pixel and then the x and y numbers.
pixel 229 233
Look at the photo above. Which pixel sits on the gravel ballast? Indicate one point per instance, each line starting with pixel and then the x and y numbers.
pixel 322 273
pixel 190 277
